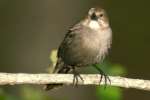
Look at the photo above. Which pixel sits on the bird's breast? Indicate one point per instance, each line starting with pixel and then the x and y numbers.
pixel 87 48
pixel 91 42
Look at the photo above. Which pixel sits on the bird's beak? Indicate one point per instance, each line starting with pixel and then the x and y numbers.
pixel 94 17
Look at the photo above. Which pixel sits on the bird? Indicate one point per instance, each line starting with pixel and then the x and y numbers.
pixel 86 43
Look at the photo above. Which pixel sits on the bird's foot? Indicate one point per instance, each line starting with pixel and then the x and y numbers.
pixel 106 79
pixel 103 75
pixel 76 78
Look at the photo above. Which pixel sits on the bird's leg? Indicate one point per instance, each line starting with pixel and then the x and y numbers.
pixel 76 76
pixel 103 75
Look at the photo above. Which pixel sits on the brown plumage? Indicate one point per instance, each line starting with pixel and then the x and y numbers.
pixel 86 43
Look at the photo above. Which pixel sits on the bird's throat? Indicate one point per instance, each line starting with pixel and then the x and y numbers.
pixel 94 24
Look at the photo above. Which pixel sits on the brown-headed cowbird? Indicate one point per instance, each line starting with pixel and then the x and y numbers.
pixel 86 43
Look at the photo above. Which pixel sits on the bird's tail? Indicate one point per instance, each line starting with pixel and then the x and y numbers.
pixel 52 86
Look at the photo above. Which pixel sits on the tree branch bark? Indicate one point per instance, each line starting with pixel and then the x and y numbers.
pixel 89 79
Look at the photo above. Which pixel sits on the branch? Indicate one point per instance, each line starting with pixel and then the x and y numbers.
pixel 89 79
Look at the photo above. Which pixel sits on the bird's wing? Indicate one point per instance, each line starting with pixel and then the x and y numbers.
pixel 68 39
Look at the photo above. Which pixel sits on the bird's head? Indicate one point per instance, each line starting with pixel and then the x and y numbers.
pixel 97 19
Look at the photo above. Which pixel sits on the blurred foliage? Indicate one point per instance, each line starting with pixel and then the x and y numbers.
pixel 5 96
pixel 53 59
pixel 26 93
pixel 110 93
pixel 29 93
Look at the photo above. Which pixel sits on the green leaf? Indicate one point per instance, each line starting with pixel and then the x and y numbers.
pixel 53 56
pixel 110 93
pixel 117 69
pixel 53 59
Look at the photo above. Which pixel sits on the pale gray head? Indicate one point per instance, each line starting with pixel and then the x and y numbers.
pixel 97 19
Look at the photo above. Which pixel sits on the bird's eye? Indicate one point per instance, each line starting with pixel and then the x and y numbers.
pixel 101 15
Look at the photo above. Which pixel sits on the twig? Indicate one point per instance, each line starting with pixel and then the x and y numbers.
pixel 89 79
